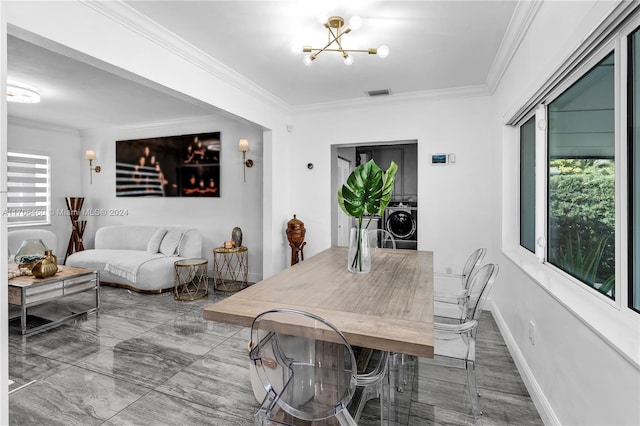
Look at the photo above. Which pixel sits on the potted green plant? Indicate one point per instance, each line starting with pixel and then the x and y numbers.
pixel 367 191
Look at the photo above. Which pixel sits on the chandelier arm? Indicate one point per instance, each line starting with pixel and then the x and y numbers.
pixel 324 49
pixel 329 43
pixel 336 39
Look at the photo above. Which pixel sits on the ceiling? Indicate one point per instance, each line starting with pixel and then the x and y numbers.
pixel 436 46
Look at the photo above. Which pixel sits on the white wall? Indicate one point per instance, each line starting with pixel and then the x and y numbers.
pixel 584 366
pixel 239 204
pixel 456 204
pixel 64 148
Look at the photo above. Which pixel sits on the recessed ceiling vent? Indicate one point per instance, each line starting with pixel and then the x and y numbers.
pixel 383 92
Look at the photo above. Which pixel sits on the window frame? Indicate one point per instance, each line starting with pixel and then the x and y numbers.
pixel 626 184
pixel 592 60
pixel 520 195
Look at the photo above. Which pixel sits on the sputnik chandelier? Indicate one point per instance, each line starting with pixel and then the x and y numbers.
pixel 335 26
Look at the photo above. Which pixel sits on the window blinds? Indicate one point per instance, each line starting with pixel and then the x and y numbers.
pixel 28 189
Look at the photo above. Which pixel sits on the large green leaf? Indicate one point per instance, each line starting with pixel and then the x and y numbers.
pixel 367 190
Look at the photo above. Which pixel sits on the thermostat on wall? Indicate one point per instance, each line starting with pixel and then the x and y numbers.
pixel 439 159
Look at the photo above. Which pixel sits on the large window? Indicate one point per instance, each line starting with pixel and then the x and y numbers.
pixel 28 197
pixel 634 170
pixel 581 179
pixel 528 184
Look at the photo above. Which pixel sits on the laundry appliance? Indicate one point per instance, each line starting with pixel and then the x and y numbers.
pixel 401 220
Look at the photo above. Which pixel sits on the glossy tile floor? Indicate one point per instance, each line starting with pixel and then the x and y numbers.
pixel 149 360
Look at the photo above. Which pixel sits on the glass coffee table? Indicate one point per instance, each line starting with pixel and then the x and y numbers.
pixel 28 291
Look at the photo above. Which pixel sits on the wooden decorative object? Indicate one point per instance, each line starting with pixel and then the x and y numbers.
pixel 295 235
pixel 74 204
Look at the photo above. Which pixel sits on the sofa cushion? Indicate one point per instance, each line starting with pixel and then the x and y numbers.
pixel 156 239
pixel 170 242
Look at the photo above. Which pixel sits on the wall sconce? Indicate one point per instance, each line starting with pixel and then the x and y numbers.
pixel 91 155
pixel 243 146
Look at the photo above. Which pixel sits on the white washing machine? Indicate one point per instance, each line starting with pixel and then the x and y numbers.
pixel 401 220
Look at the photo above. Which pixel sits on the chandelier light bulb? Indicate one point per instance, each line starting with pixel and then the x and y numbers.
pixel 296 48
pixel 383 51
pixel 307 60
pixel 348 60
pixel 355 23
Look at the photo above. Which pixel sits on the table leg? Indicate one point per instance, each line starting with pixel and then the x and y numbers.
pixel 389 390
pixel 23 319
pixel 97 294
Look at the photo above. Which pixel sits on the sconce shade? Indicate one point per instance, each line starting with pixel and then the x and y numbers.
pixel 243 145
pixel 90 155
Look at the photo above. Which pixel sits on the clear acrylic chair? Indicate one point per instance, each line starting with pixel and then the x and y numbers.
pixel 381 238
pixel 306 367
pixel 455 344
pixel 451 290
pixel 375 384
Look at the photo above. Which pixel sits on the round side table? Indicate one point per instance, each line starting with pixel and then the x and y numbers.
pixel 190 280
pixel 230 268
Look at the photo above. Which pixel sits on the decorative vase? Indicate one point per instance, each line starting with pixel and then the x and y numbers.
pixel 295 231
pixel 30 251
pixel 236 236
pixel 359 257
pixel 295 235
pixel 53 256
pixel 46 267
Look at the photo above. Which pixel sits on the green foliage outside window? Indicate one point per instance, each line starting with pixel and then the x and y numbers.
pixel 582 220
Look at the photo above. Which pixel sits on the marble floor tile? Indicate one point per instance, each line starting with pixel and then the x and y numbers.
pixel 141 361
pixel 112 329
pixel 66 343
pixel 72 397
pixel 24 368
pixel 158 409
pixel 144 313
pixel 220 381
pixel 113 297
pixel 193 321
pixel 148 359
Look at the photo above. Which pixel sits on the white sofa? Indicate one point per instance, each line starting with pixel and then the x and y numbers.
pixel 139 257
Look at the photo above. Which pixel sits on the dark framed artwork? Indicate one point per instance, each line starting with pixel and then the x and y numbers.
pixel 169 166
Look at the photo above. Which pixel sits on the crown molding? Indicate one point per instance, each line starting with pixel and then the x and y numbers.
pixel 39 125
pixel 427 95
pixel 135 21
pixel 521 20
pixel 208 120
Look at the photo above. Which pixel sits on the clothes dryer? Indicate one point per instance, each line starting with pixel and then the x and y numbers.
pixel 401 220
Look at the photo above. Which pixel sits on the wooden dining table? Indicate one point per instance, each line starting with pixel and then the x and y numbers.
pixel 389 308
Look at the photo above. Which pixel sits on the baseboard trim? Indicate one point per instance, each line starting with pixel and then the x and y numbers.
pixel 538 397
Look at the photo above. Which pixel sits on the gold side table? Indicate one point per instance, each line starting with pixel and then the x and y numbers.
pixel 230 268
pixel 190 280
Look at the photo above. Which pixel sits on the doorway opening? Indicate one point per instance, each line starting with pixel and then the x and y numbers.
pixel 401 215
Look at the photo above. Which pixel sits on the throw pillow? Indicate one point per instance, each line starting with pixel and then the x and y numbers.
pixel 154 243
pixel 170 242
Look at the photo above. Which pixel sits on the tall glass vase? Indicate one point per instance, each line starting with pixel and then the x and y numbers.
pixel 359 258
